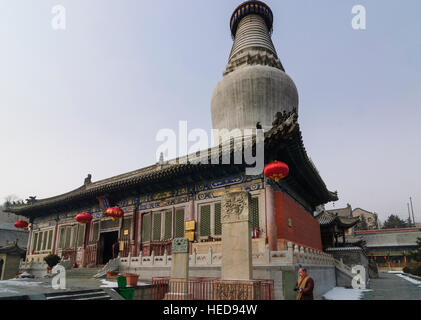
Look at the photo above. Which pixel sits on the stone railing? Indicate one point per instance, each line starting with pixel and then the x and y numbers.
pixel 292 256
pixel 308 256
pixel 32 265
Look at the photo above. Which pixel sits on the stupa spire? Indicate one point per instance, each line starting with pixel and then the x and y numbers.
pixel 251 27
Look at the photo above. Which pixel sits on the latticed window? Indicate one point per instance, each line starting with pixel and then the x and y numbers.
pixel 34 242
pixel 146 227
pixel 68 238
pixel 50 239
pixel 61 238
pixel 39 242
pixel 110 224
pixel 81 235
pixel 218 225
pixel 127 225
pixel 74 234
pixel 205 223
pixel 156 232
pixel 44 241
pixel 95 231
pixel 179 223
pixel 168 225
pixel 254 212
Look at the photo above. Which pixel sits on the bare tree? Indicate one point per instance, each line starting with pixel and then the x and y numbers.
pixel 10 199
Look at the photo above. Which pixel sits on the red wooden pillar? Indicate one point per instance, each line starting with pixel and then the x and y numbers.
pixel 134 246
pixel 28 245
pixel 53 250
pixel 85 244
pixel 272 232
pixel 139 233
pixel 190 217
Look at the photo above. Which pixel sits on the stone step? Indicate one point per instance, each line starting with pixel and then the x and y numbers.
pixel 82 272
pixel 98 294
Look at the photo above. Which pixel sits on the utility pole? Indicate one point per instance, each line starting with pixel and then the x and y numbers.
pixel 412 208
pixel 409 213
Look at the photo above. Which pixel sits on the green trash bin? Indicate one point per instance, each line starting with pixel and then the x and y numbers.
pixel 127 293
pixel 122 282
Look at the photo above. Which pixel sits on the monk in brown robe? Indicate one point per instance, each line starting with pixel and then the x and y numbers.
pixel 304 286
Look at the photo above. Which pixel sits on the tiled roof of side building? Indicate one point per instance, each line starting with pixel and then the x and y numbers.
pixel 343 212
pixel 394 239
pixel 326 218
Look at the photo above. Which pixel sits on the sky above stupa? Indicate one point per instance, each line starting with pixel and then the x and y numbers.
pixel 91 98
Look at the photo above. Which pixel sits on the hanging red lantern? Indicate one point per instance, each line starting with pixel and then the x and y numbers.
pixel 115 213
pixel 276 170
pixel 84 218
pixel 21 224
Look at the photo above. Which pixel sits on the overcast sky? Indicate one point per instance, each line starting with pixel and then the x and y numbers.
pixel 92 98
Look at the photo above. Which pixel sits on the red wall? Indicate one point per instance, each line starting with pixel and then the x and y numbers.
pixel 305 229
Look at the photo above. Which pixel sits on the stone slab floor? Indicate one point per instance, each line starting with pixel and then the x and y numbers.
pixel 391 287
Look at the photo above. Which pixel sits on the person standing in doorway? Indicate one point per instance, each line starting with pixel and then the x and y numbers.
pixel 304 286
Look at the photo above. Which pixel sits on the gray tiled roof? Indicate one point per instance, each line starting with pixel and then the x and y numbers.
pixel 343 212
pixel 344 249
pixel 9 233
pixel 393 239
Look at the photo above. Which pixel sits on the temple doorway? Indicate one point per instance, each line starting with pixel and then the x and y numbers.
pixel 107 240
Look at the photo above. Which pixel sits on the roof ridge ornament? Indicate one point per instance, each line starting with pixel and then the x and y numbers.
pixel 88 180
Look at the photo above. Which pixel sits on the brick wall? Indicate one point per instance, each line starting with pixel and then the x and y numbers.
pixel 305 230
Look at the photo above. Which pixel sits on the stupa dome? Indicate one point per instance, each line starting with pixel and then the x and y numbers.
pixel 254 86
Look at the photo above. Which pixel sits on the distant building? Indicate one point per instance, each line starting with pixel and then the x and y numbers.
pixel 9 217
pixel 369 220
pixel 10 256
pixel 9 234
pixel 388 247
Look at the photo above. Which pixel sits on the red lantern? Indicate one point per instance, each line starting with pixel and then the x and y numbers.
pixel 84 218
pixel 276 170
pixel 21 224
pixel 115 213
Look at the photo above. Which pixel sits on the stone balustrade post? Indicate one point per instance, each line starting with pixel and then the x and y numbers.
pixel 194 256
pixel 267 255
pixel 296 254
pixel 165 257
pixel 290 254
pixel 153 257
pixel 302 255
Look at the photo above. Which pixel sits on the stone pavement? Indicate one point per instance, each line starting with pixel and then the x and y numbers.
pixel 391 287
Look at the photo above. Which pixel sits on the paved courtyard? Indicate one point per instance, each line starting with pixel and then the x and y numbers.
pixel 389 286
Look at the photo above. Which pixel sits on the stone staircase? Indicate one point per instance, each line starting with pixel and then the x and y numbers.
pixel 97 294
pixel 112 265
pixel 82 273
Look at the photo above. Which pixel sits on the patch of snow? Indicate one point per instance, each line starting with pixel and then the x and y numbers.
pixel 113 284
pixel 7 290
pixel 394 271
pixel 339 293
pixel 417 282
pixel 20 282
pixel 109 284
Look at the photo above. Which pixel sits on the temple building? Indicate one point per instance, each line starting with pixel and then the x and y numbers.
pixel 389 247
pixel 172 199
